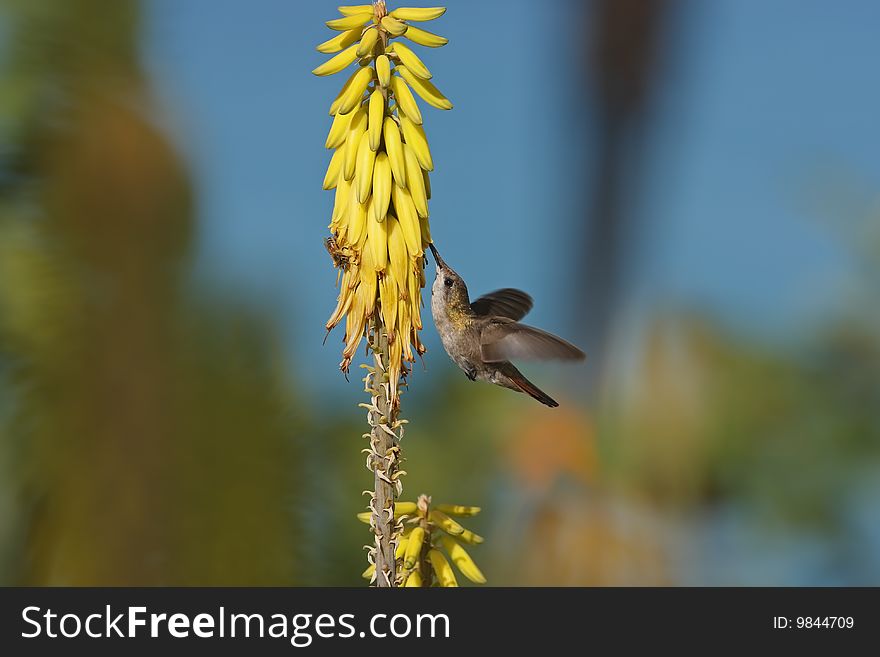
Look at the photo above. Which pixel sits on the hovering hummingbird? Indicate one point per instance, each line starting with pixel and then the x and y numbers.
pixel 482 337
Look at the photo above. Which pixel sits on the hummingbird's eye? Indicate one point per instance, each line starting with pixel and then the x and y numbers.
pixel 447 282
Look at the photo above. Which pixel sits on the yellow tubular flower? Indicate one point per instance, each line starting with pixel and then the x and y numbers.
pixel 425 38
pixel 353 10
pixel 428 529
pixel 380 155
pixel 442 569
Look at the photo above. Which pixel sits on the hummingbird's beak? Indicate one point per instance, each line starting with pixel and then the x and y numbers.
pixel 440 263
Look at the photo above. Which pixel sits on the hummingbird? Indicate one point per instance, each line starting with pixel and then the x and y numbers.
pixel 483 336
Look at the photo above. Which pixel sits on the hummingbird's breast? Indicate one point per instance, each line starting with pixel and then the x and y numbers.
pixel 456 322
pixel 459 333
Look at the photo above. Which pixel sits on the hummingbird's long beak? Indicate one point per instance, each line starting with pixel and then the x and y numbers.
pixel 440 263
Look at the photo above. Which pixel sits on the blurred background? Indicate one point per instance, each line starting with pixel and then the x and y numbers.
pixel 690 190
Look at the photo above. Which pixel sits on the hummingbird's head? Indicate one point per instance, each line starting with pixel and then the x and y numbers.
pixel 448 286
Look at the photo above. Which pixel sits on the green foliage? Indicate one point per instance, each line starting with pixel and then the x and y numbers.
pixel 149 438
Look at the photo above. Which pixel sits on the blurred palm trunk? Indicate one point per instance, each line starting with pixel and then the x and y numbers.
pixel 621 71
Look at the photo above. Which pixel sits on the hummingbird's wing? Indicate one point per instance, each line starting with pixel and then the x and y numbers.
pixel 503 303
pixel 503 339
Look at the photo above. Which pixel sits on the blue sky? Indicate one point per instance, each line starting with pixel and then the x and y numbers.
pixel 759 99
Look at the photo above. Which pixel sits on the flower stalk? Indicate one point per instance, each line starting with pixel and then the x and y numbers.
pixel 383 459
pixel 379 226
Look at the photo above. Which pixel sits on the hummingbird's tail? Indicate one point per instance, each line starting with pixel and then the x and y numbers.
pixel 533 391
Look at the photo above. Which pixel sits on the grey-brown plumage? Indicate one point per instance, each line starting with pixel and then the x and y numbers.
pixel 484 336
